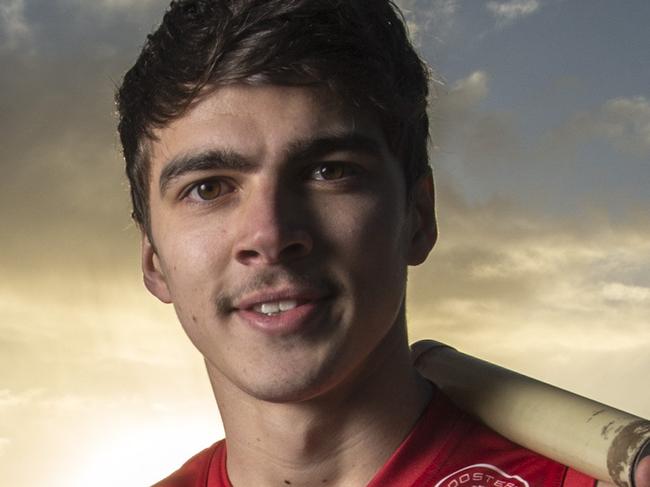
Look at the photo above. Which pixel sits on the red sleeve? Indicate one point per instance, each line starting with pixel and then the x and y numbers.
pixel 194 473
pixel 573 478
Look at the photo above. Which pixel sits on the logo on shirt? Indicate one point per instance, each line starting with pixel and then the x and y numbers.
pixel 481 475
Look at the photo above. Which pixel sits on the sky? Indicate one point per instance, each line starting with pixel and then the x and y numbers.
pixel 541 135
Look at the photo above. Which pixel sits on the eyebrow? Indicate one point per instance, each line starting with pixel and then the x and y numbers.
pixel 208 160
pixel 298 151
pixel 314 148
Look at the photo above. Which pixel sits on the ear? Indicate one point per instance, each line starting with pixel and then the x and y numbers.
pixel 152 272
pixel 424 228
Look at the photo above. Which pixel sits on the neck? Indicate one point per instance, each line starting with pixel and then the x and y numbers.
pixel 340 438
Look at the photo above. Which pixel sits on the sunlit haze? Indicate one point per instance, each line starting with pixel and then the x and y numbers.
pixel 541 138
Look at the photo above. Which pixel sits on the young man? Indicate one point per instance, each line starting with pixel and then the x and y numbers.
pixel 277 155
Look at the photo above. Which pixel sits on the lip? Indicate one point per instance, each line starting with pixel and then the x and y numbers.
pixel 311 303
pixel 301 295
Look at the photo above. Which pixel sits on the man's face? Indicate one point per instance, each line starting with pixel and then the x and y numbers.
pixel 282 236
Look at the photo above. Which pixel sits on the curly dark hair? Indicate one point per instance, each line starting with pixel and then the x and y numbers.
pixel 358 49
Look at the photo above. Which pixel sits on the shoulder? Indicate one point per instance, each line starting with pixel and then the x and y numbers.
pixel 491 453
pixel 194 472
pixel 474 453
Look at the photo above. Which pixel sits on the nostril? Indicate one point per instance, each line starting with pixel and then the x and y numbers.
pixel 273 247
pixel 295 249
pixel 247 255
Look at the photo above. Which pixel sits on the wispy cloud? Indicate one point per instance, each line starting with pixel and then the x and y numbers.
pixel 122 3
pixel 497 271
pixel 512 10
pixel 429 20
pixel 464 131
pixel 543 296
pixel 467 92
pixel 511 279
pixel 624 293
pixel 14 29
pixel 486 151
pixel 624 122
pixel 118 4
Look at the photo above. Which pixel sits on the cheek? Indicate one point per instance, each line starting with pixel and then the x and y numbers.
pixel 193 260
pixel 375 231
pixel 377 274
pixel 372 242
pixel 193 265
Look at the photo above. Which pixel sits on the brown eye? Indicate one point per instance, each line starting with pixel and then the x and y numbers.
pixel 209 190
pixel 330 172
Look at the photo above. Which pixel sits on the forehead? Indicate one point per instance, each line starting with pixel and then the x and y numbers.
pixel 258 122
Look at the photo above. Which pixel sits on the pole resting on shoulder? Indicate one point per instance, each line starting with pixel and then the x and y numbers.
pixel 586 435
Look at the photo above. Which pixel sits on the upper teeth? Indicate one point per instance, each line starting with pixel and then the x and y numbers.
pixel 276 307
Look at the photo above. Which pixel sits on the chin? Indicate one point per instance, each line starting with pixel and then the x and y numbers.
pixel 285 390
pixel 292 381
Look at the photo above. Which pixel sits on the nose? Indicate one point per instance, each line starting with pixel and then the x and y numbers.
pixel 273 227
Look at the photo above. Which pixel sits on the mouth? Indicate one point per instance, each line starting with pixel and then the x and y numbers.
pixel 276 301
pixel 274 308
pixel 283 311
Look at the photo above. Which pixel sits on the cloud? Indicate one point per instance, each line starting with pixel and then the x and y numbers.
pixel 624 122
pixel 118 5
pixel 496 260
pixel 123 3
pixel 505 284
pixel 429 20
pixel 512 10
pixel 4 445
pixel 468 136
pixel 456 104
pixel 101 302
pixel 468 92
pixel 14 29
pixel 517 282
pixel 58 131
pixel 553 168
pixel 617 291
pixel 12 400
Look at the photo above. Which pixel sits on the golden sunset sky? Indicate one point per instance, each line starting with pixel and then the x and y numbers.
pixel 542 160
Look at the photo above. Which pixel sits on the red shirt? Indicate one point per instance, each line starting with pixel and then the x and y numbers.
pixel 446 448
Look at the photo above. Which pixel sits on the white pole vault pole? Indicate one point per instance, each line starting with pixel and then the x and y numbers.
pixel 586 435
